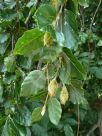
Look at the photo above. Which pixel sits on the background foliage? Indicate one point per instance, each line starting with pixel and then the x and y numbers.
pixel 37 41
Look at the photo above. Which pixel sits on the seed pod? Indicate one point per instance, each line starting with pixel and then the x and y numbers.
pixel 52 87
pixel 64 95
pixel 47 39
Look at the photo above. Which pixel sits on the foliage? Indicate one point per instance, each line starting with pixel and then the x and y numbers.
pixel 40 42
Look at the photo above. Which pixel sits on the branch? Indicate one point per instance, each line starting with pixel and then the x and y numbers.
pixel 100 129
pixel 97 125
pixel 92 129
pixel 81 9
pixel 40 64
pixel 95 14
pixel 30 13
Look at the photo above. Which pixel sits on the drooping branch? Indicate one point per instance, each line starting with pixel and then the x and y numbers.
pixel 97 125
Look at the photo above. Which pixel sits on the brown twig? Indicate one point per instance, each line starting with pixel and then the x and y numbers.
pixel 17 5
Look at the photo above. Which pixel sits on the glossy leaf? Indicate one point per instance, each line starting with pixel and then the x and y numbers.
pixel 36 114
pixel 3 45
pixel 76 95
pixel 34 82
pixel 2 120
pixel 9 129
pixel 54 110
pixel 10 63
pixel 65 71
pixel 50 54
pixel 30 41
pixel 45 15
pixel 75 6
pixel 68 130
pixel 24 116
pixel 6 17
pixel 75 62
pixel 70 29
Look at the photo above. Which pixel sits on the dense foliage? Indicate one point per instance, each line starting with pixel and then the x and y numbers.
pixel 50 68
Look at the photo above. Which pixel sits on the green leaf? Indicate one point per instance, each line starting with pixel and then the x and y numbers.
pixel 77 92
pixel 75 62
pixel 10 129
pixel 72 121
pixel 76 95
pixel 3 42
pixel 75 6
pixel 23 116
pixel 65 71
pixel 40 95
pixel 39 130
pixel 4 37
pixel 54 110
pixel 22 130
pixel 99 44
pixel 84 3
pixel 97 71
pixel 10 63
pixel 36 114
pixel 30 41
pixel 25 62
pixel 50 54
pixel 9 78
pixel 2 120
pixel 45 15
pixel 13 129
pixel 68 130
pixel 5 130
pixel 60 38
pixel 6 17
pixel 34 82
pixel 70 30
pixel 3 48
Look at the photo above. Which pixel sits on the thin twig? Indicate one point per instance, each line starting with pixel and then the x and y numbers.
pixel 17 5
pixel 28 17
pixel 95 14
pixel 12 42
pixel 47 73
pixel 40 64
pixel 55 22
pixel 78 121
pixel 81 9
pixel 18 21
pixel 97 125
pixel 92 129
pixel 30 13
